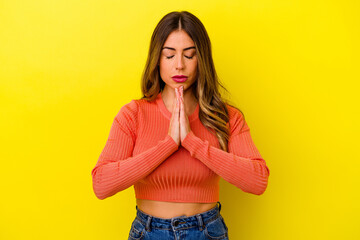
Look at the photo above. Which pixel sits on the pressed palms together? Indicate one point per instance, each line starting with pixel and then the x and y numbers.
pixel 179 122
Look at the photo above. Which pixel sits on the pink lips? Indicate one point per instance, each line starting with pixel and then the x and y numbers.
pixel 179 78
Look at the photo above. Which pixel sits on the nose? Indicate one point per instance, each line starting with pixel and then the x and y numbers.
pixel 179 63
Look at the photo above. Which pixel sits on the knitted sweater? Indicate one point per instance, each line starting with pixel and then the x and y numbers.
pixel 140 153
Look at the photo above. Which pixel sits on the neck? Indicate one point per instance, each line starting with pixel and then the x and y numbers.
pixel 169 98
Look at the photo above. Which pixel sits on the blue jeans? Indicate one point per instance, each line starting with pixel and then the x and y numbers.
pixel 206 225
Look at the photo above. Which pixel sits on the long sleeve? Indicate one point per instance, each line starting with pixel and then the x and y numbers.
pixel 242 166
pixel 116 168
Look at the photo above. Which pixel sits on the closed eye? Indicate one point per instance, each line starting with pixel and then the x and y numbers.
pixel 173 56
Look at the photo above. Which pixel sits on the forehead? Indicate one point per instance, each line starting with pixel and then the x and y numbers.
pixel 179 40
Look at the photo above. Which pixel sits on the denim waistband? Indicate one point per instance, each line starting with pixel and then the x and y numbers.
pixel 180 222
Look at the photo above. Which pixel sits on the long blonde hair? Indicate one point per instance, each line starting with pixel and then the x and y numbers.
pixel 213 112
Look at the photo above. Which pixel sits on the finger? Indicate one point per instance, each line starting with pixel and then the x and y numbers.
pixel 178 97
pixel 181 91
pixel 176 92
pixel 181 109
pixel 181 99
pixel 174 108
pixel 177 110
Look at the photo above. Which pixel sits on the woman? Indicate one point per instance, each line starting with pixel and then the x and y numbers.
pixel 176 142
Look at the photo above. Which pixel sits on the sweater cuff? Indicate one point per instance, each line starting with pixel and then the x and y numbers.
pixel 192 142
pixel 170 142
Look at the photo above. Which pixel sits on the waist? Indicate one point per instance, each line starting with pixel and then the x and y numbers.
pixel 192 220
pixel 163 209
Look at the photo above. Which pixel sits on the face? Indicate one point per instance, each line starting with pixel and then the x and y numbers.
pixel 178 57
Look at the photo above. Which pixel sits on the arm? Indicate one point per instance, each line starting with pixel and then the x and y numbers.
pixel 242 166
pixel 116 168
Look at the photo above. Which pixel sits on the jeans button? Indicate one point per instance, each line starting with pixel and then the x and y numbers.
pixel 176 223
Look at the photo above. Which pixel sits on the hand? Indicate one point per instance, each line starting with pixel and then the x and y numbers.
pixel 174 122
pixel 184 120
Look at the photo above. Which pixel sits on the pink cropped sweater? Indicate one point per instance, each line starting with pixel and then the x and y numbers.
pixel 140 153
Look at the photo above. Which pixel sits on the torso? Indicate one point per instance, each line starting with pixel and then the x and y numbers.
pixel 172 209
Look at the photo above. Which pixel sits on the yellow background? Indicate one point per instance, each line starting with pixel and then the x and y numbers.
pixel 67 67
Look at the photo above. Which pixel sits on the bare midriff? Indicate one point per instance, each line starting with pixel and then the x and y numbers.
pixel 172 209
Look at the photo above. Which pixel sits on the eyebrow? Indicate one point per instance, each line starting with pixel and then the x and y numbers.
pixel 193 47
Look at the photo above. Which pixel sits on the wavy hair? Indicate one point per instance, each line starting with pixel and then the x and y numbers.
pixel 213 112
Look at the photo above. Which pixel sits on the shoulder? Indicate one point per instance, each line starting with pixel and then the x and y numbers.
pixel 236 120
pixel 128 115
pixel 134 108
pixel 128 109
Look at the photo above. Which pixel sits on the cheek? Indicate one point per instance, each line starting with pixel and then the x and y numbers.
pixel 194 68
pixel 165 64
pixel 163 68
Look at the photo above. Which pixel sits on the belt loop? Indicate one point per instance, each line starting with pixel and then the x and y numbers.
pixel 201 224
pixel 147 227
pixel 219 206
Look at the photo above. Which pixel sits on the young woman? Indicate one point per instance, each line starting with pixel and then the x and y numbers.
pixel 177 141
